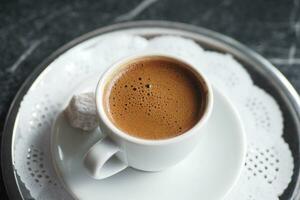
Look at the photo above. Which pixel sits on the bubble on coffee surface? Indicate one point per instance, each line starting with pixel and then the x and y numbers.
pixel 154 100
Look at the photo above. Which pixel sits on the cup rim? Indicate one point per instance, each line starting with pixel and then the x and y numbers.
pixel 103 115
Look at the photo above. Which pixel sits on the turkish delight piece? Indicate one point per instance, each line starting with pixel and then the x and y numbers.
pixel 81 112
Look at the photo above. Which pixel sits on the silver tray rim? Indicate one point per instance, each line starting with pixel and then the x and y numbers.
pixel 263 66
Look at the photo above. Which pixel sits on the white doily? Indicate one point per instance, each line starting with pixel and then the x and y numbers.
pixel 269 163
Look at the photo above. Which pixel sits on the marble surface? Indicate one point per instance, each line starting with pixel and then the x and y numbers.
pixel 31 30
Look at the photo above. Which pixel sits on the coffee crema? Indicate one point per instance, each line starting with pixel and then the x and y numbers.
pixel 154 98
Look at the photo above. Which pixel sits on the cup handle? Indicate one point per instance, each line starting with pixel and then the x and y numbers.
pixel 101 161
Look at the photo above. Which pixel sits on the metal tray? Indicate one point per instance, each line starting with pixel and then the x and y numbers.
pixel 262 72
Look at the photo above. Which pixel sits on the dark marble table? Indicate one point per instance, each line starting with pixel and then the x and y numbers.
pixel 31 30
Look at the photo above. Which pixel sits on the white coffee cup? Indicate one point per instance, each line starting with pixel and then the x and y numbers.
pixel 118 150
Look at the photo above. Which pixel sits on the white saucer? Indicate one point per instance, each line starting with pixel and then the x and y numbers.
pixel 207 174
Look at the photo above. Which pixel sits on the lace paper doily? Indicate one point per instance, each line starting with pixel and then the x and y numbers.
pixel 269 163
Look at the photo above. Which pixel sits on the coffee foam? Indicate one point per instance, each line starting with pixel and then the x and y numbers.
pixel 154 99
